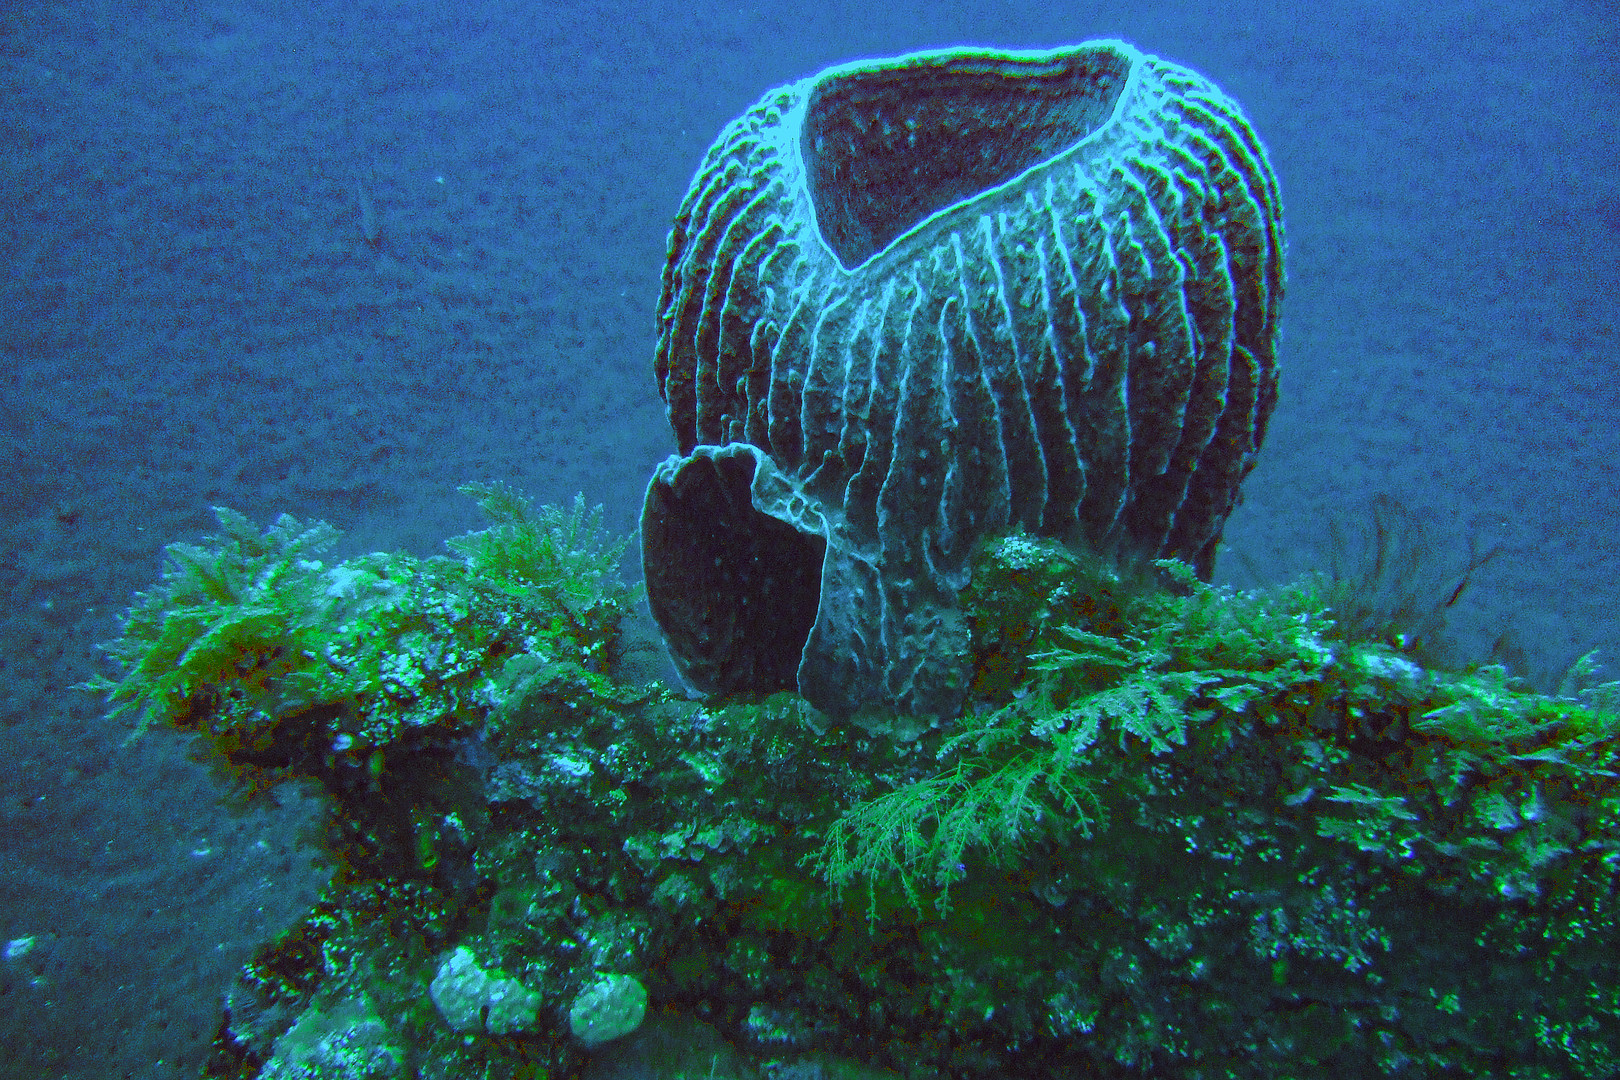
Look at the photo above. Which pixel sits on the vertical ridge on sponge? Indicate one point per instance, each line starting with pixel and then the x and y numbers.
pixel 956 293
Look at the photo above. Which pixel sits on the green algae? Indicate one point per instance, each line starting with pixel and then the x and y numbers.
pixel 1179 831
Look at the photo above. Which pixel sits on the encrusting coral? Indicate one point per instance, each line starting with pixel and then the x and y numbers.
pixel 1177 831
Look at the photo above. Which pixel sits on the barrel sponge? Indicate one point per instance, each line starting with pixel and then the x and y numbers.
pixel 916 303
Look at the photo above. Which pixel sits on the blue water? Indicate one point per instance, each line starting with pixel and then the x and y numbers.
pixel 197 307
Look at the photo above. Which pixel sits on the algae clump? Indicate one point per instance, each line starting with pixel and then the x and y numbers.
pixel 1178 831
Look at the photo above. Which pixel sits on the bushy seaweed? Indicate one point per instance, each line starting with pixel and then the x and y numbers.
pixel 243 607
pixel 278 657
pixel 1134 658
pixel 560 558
pixel 1276 808
pixel 1181 831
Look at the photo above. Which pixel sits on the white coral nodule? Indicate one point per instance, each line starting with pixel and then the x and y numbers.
pixel 610 1008
pixel 470 999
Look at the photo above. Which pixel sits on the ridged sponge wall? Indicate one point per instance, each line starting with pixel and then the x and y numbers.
pixel 912 304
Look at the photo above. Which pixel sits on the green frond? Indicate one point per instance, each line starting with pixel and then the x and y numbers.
pixel 547 556
pixel 1580 683
pixel 919 834
pixel 501 503
pixel 1137 664
pixel 224 608
pixel 1150 706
